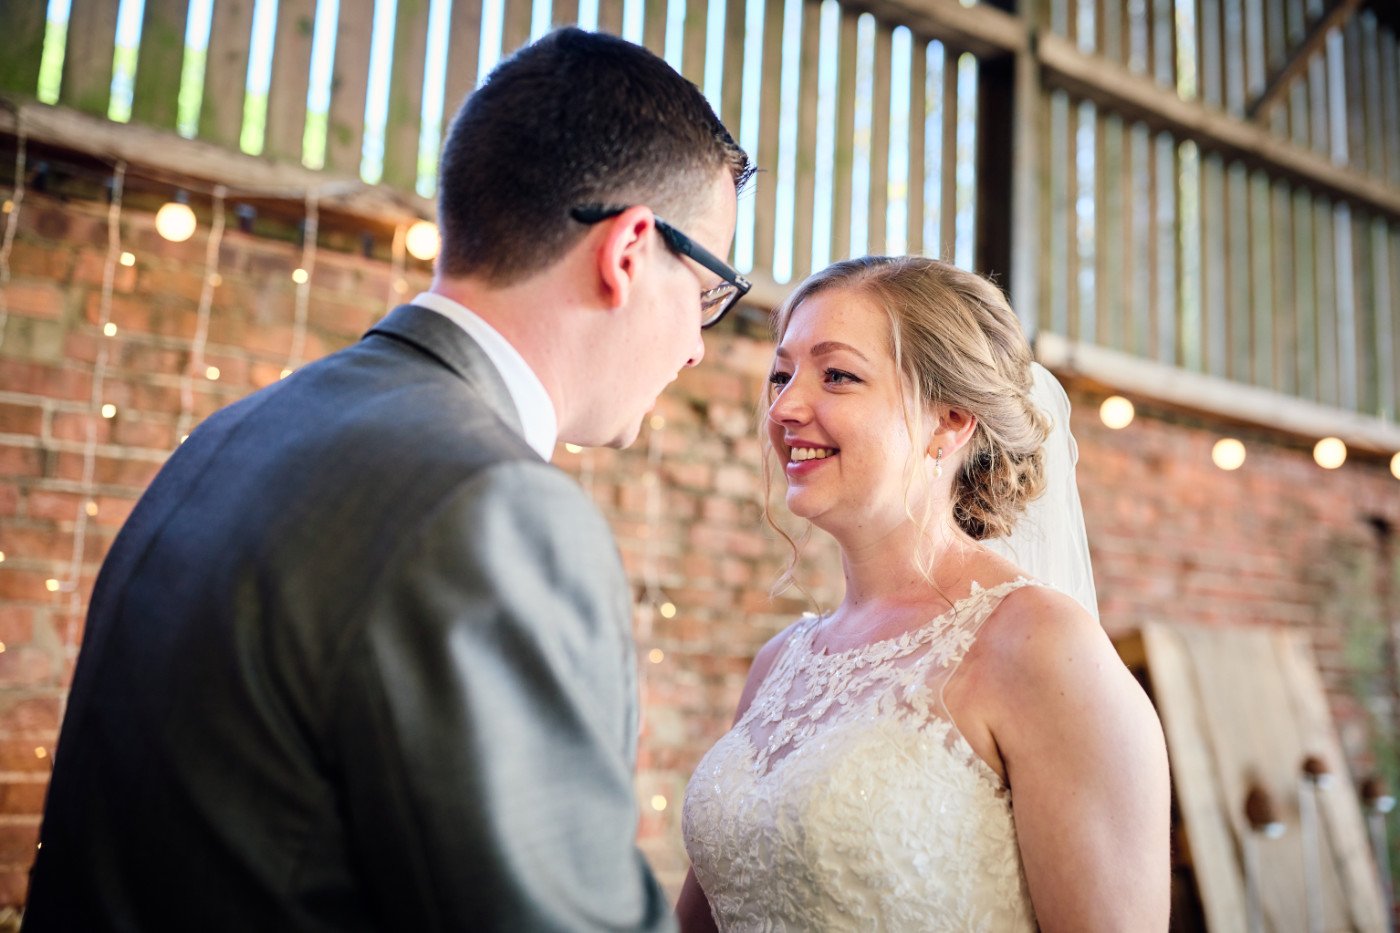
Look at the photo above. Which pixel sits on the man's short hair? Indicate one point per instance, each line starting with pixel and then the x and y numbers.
pixel 575 118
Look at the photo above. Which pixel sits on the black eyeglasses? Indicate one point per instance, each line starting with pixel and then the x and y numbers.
pixel 714 302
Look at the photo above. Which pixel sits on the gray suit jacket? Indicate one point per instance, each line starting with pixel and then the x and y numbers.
pixel 358 660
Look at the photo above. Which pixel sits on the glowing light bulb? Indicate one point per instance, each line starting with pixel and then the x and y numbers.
pixel 401 285
pixel 1394 471
pixel 422 240
pixel 215 280
pixel 573 448
pixel 1117 412
pixel 128 259
pixel 91 509
pixel 109 410
pixel 668 610
pixel 656 656
pixel 41 752
pixel 109 329
pixel 300 277
pixel 8 206
pixel 285 373
pixel 2 557
pixel 2 647
pixel 52 585
pixel 658 803
pixel 212 373
pixel 658 422
pixel 1330 453
pixel 175 221
pixel 1228 454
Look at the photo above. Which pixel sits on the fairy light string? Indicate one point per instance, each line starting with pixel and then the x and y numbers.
pixel 197 365
pixel 98 410
pixel 302 277
pixel 11 208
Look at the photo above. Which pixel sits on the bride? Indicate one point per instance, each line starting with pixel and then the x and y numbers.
pixel 956 746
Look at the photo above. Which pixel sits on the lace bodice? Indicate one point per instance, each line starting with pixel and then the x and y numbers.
pixel 846 799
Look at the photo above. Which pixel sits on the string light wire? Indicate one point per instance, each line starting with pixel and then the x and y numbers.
pixel 201 328
pixel 307 268
pixel 99 374
pixel 11 224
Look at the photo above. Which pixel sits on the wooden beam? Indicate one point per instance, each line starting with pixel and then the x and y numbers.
pixel 1140 98
pixel 981 29
pixel 1220 398
pixel 169 155
pixel 1339 12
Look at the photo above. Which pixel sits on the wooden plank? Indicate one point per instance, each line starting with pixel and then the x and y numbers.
pixel 1354 88
pixel 1394 267
pixel 769 116
pixel 1108 232
pixel 226 73
pixel 1164 43
pixel 1136 98
pixel 1142 284
pixel 87 59
pixel 23 26
pixel 1370 68
pixel 732 86
pixel 1166 301
pixel 1030 184
pixel 918 116
pixel 1324 240
pixel 1208 31
pixel 693 47
pixel 1305 293
pixel 1153 258
pixel 345 120
pixel 948 198
pixel 562 12
pixel 1337 14
pixel 1132 375
pixel 654 25
pixel 1339 808
pixel 993 171
pixel 463 58
pixel 291 76
pixel 1261 293
pixel 1299 120
pixel 1183 714
pixel 196 159
pixel 879 143
pixel 159 63
pixel 1108 22
pixel 804 201
pixel 1071 222
pixel 1385 311
pixel 1241 271
pixel 845 136
pixel 404 125
pixel 1275 51
pixel 610 16
pixel 515 26
pixel 1285 316
pixel 1057 222
pixel 1390 105
pixel 1364 320
pixel 1213 282
pixel 981 29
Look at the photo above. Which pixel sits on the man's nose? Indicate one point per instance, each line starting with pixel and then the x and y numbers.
pixel 698 353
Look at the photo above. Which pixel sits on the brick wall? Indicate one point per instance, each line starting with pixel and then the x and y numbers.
pixel 1280 542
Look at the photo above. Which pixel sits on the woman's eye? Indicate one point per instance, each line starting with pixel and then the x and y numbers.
pixel 840 377
pixel 779 379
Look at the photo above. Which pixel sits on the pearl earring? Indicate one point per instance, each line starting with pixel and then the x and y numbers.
pixel 938 465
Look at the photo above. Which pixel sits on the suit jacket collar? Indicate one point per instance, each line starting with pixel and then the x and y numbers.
pixel 451 346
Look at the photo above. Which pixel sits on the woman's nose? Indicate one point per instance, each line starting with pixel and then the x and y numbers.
pixel 789 407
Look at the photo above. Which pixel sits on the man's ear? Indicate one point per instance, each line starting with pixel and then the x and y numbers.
pixel 625 247
pixel 952 430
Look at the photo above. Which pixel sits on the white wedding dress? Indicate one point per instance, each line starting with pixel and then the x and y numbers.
pixel 846 799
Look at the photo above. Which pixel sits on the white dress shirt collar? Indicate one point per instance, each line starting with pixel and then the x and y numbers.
pixel 532 402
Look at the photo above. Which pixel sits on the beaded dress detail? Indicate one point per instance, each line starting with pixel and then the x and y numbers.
pixel 846 799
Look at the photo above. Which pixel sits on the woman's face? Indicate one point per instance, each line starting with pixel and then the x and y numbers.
pixel 836 417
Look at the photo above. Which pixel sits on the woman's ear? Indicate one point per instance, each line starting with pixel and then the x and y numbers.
pixel 625 243
pixel 952 430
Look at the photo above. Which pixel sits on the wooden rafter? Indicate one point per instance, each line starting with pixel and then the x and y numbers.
pixel 1335 17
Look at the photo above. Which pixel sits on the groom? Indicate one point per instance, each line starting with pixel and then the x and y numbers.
pixel 361 659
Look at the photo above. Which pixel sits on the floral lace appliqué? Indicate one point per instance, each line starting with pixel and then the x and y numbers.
pixel 846 799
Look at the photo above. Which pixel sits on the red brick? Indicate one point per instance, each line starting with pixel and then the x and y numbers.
pixel 21 419
pixel 14 885
pixel 16 625
pixel 17 841
pixel 30 715
pixel 25 666
pixel 34 298
pixel 23 798
pixel 91 270
pixel 21 755
pixel 44 380
pixel 52 505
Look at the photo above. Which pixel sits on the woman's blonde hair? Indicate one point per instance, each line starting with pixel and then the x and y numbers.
pixel 957 344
